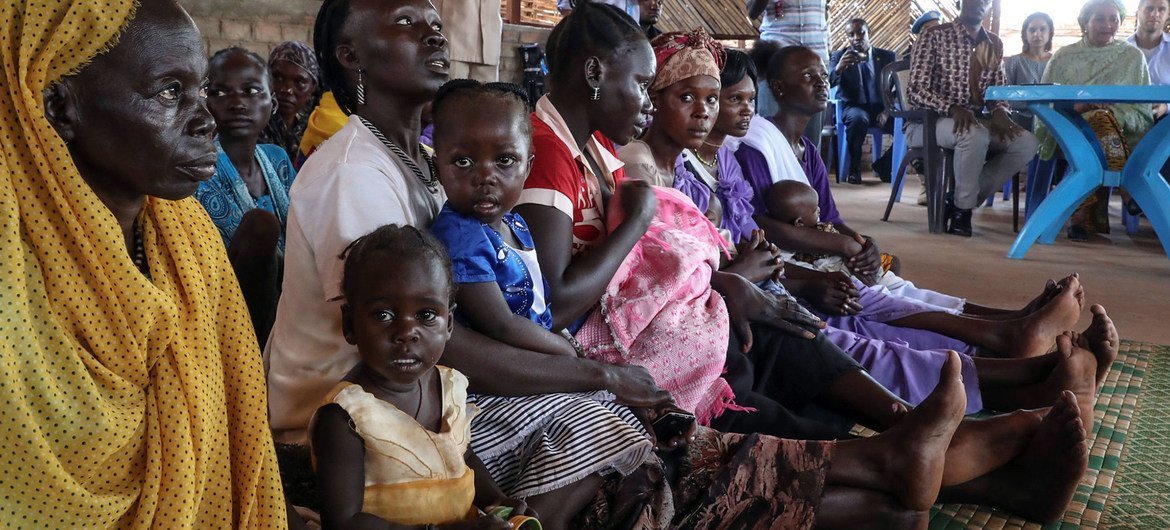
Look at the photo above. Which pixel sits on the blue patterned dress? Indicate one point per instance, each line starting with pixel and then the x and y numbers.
pixel 226 197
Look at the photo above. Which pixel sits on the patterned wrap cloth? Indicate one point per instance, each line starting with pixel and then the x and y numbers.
pixel 127 403
pixel 683 55
pixel 659 310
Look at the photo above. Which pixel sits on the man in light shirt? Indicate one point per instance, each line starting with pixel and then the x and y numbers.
pixel 1154 42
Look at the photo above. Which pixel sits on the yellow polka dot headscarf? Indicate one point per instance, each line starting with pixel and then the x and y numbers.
pixel 123 402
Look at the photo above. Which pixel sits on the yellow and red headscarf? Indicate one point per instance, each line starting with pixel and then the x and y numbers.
pixel 124 402
pixel 682 55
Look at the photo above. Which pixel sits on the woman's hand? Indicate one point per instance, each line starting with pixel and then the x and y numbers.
pixel 637 201
pixel 867 264
pixel 649 415
pixel 748 304
pixel 634 387
pixel 757 259
pixel 832 293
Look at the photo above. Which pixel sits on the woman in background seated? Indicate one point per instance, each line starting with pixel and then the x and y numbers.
pixel 1100 59
pixel 296 86
pixel 247 198
pixel 133 387
pixel 1028 67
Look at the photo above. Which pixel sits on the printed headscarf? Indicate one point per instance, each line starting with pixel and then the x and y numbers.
pixel 683 55
pixel 127 402
pixel 298 53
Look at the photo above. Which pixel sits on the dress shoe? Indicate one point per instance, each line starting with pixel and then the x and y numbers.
pixel 959 222
pixel 1132 208
pixel 1077 233
pixel 854 177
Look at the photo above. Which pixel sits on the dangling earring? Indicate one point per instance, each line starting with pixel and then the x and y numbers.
pixel 360 89
pixel 596 93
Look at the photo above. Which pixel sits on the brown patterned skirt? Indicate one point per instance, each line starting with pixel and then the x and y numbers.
pixel 720 481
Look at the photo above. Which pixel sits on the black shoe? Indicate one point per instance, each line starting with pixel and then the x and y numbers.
pixel 881 168
pixel 1077 233
pixel 1132 208
pixel 854 177
pixel 959 222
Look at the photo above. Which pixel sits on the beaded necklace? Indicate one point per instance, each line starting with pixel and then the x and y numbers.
pixel 431 182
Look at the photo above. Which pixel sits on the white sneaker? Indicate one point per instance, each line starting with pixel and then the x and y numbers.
pixel 922 190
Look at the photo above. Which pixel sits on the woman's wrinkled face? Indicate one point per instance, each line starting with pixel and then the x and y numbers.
pixel 1037 34
pixel 737 105
pixel 623 111
pixel 293 86
pixel 687 110
pixel 141 124
pixel 399 46
pixel 238 95
pixel 1103 23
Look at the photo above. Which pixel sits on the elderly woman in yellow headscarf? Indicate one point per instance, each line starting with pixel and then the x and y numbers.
pixel 133 393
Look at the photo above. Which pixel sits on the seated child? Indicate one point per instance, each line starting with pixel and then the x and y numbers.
pixel 796 203
pixel 482 163
pixel 392 441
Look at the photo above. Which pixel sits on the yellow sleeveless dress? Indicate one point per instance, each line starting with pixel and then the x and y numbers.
pixel 414 476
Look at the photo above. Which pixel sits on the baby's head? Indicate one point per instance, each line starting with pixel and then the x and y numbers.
pixel 398 294
pixel 483 146
pixel 793 202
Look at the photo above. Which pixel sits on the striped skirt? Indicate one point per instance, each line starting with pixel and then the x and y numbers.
pixel 536 444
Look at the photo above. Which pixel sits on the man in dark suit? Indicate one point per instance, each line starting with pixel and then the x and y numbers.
pixel 855 71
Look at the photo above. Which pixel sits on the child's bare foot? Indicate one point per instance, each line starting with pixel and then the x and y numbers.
pixel 1102 339
pixel 923 435
pixel 1039 484
pixel 1034 333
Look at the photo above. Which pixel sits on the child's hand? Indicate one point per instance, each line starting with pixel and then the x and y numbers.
pixel 518 506
pixel 483 522
pixel 757 259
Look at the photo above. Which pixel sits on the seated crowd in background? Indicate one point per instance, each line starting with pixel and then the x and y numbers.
pixel 471 310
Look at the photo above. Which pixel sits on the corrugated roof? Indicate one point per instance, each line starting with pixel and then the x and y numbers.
pixel 723 19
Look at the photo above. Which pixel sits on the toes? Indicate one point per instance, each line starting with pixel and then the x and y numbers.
pixel 1064 345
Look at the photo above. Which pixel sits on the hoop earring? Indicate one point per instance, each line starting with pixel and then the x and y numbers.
pixel 360 89
pixel 596 93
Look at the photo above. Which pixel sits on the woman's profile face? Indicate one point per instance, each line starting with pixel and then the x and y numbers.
pixel 737 105
pixel 1103 23
pixel 139 121
pixel 398 44
pixel 803 85
pixel 624 107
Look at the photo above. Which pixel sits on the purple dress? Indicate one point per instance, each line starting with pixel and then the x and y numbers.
pixel 905 361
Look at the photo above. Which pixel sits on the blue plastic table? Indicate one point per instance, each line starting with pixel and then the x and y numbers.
pixel 1086 160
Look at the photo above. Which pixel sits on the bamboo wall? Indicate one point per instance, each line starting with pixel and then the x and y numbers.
pixel 889 20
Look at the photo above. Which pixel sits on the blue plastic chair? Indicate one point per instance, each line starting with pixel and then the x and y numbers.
pixel 1041 173
pixel 843 146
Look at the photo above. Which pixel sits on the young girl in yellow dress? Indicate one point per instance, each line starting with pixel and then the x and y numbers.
pixel 391 444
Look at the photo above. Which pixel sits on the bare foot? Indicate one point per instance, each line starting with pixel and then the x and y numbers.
pixel 1077 373
pixel 921 439
pixel 1102 339
pixel 1041 482
pixel 982 445
pixel 1034 333
pixel 1050 290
